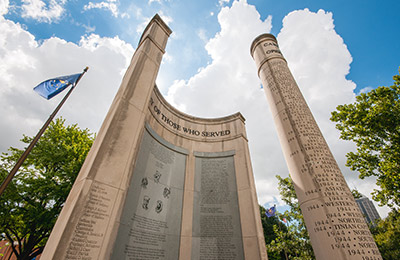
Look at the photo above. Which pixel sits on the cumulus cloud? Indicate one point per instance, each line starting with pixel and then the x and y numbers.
pixel 319 60
pixel 4 4
pixel 230 84
pixel 42 12
pixel 24 63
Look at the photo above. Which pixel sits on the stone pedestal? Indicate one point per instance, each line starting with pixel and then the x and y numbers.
pixel 160 184
pixel 336 226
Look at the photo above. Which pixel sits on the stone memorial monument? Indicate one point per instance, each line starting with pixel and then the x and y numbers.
pixel 334 222
pixel 160 184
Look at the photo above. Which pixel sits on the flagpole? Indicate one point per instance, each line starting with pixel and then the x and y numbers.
pixel 38 135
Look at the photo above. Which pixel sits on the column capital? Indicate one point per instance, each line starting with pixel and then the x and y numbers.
pixel 154 34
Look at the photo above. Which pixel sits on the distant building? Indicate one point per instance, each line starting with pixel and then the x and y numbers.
pixel 368 209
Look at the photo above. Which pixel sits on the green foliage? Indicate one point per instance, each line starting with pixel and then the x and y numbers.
pixel 269 233
pixel 356 194
pixel 387 236
pixel 32 202
pixel 293 240
pixel 373 124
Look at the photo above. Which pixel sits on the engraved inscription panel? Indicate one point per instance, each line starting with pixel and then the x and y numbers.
pixel 216 222
pixel 333 219
pixel 91 226
pixel 151 218
pixel 189 128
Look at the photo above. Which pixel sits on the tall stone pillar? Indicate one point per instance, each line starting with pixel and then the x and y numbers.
pixel 88 224
pixel 336 226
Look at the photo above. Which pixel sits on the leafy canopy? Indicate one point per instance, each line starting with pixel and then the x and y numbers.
pixel 268 224
pixel 387 236
pixel 293 240
pixel 372 122
pixel 33 200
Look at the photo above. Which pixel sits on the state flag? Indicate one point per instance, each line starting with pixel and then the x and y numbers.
pixel 270 212
pixel 52 87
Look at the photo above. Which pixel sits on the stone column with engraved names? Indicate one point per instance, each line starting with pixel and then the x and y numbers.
pixel 336 226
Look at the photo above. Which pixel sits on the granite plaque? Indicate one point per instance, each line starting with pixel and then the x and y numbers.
pixel 151 218
pixel 216 223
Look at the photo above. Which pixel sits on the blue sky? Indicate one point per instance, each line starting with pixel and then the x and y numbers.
pixel 335 49
pixel 367 27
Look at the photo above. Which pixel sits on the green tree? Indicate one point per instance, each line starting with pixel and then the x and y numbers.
pixel 268 224
pixel 372 122
pixel 356 194
pixel 387 236
pixel 293 241
pixel 32 202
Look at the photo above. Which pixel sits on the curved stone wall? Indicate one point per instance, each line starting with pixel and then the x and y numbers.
pixel 192 193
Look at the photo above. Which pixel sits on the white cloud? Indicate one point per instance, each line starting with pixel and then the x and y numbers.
pixel 4 4
pixel 139 29
pixel 125 15
pixel 167 19
pixel 88 28
pixel 110 5
pixel 316 55
pixel 366 90
pixel 154 1
pixel 232 77
pixel 202 34
pixel 137 10
pixel 142 25
pixel 223 2
pixel 42 12
pixel 166 58
pixel 24 63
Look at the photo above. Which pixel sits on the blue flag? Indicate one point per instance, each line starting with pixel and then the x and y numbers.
pixel 270 212
pixel 52 87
